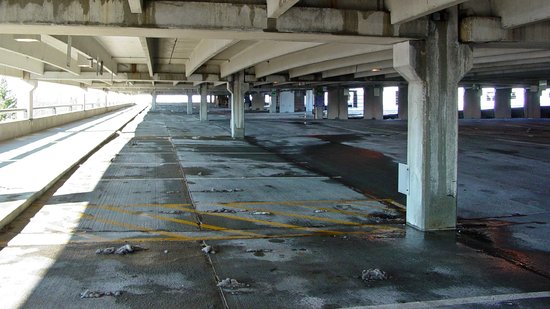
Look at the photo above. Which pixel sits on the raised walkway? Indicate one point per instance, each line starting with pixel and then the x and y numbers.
pixel 29 165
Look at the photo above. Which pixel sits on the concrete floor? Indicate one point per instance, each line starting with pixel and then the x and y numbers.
pixel 173 185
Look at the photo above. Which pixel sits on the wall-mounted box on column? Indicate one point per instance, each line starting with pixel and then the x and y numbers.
pixel 403 179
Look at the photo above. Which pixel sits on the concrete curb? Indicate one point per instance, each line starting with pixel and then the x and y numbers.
pixel 18 207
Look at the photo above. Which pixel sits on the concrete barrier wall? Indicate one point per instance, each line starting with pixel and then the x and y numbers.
pixel 13 129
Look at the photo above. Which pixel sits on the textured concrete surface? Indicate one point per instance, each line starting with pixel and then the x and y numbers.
pixel 172 185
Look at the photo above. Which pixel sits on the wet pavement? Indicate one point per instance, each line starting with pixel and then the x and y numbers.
pixel 293 233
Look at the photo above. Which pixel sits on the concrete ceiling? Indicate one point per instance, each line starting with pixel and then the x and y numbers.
pixel 135 45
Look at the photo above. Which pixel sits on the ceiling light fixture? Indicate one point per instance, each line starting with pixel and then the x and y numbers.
pixel 376 70
pixel 27 38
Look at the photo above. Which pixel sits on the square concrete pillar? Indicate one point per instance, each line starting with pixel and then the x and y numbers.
pixel 203 112
pixel 337 104
pixel 237 87
pixel 319 103
pixel 309 101
pixel 189 96
pixel 472 103
pixel 153 100
pixel 274 101
pixel 403 102
pixel 258 101
pixel 286 102
pixel 299 101
pixel 433 69
pixel 503 105
pixel 531 107
pixel 373 103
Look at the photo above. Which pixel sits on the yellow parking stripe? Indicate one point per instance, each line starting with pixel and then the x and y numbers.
pixel 181 221
pixel 135 227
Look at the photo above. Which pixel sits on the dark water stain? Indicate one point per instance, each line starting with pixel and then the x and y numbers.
pixel 495 238
pixel 370 172
pixel 259 253
pixel 503 151
pixel 337 138
pixel 277 240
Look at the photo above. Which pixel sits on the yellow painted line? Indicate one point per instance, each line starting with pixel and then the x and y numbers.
pixel 135 227
pixel 180 221
pixel 296 202
pixel 376 226
pixel 209 226
pixel 144 205
pixel 286 214
pixel 263 222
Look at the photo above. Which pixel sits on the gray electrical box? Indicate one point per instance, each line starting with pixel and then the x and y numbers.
pixel 403 179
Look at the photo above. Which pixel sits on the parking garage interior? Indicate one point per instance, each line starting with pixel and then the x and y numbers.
pixel 275 154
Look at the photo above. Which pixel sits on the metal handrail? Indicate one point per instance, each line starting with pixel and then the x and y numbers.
pixel 54 107
pixel 12 110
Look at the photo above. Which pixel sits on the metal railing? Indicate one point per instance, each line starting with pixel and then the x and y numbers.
pixel 55 110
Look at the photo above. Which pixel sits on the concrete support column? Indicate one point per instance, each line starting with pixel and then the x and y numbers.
pixel 319 103
pixel 503 105
pixel 237 87
pixel 106 99
pixel 337 104
pixel 274 100
pixel 433 69
pixel 153 100
pixel 189 96
pixel 531 107
pixel 403 102
pixel 258 101
pixel 373 107
pixel 286 102
pixel 299 101
pixel 309 101
pixel 203 113
pixel 29 98
pixel 472 103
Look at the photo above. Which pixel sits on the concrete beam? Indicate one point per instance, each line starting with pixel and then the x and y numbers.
pixel 20 62
pixel 518 13
pixel 136 6
pixel 261 51
pixel 128 77
pixel 91 49
pixel 384 54
pixel 147 45
pixel 382 71
pixel 200 20
pixel 404 11
pixel 204 51
pixel 362 68
pixel 318 54
pixel 41 52
pixel 481 29
pixel 276 8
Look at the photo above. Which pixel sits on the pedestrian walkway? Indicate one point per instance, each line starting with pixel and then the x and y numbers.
pixel 30 165
pixel 204 207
